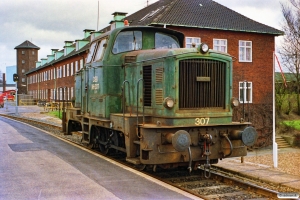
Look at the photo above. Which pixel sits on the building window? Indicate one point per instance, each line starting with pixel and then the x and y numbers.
pixel 245 51
pixel 190 40
pixel 72 69
pixel 68 70
pixel 23 52
pixel 33 52
pixel 64 70
pixel 81 64
pixel 245 92
pixel 72 91
pixel 60 72
pixel 77 67
pixel 23 71
pixel 23 61
pixel 220 45
pixel 23 80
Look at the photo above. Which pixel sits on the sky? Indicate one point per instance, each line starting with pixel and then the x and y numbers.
pixel 47 24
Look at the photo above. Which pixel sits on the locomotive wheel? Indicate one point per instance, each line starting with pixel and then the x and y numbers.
pixel 103 137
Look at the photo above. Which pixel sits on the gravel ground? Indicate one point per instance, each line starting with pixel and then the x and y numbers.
pixel 42 117
pixel 288 162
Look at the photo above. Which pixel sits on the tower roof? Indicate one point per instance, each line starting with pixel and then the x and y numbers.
pixel 27 45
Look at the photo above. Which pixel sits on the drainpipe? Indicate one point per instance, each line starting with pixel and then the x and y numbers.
pixel 54 82
pixel 83 67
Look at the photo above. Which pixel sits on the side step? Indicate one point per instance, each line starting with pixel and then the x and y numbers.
pixel 135 161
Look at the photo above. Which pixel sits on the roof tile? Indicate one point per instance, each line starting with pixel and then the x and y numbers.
pixel 27 45
pixel 198 13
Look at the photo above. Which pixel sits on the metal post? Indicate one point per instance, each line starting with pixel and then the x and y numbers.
pixel 6 103
pixel 63 112
pixel 275 148
pixel 16 98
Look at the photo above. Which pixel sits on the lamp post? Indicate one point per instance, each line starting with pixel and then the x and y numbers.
pixel 16 78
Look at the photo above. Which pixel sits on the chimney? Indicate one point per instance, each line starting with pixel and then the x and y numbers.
pixel 96 34
pixel 87 32
pixel 53 51
pixel 68 43
pixel 118 20
pixel 58 54
pixel 44 61
pixel 68 48
pixel 50 58
pixel 38 64
pixel 81 43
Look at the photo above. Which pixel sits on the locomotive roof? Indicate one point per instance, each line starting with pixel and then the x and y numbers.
pixel 178 34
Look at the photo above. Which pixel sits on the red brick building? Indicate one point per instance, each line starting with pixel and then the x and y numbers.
pixel 27 55
pixel 250 43
pixel 54 75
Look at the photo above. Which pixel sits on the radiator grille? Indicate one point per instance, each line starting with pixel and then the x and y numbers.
pixel 202 84
pixel 158 96
pixel 147 76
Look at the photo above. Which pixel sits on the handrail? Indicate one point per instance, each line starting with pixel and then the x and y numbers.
pixel 137 106
pixel 124 101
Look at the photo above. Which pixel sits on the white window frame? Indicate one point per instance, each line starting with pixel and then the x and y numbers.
pixel 220 45
pixel 188 44
pixel 68 70
pixel 245 91
pixel 81 63
pixel 72 69
pixel 64 71
pixel 245 51
pixel 76 66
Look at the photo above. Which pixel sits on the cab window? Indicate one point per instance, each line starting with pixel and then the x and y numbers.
pixel 91 52
pixel 163 41
pixel 128 41
pixel 100 50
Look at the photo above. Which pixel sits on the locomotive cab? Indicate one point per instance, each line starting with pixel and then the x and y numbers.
pixel 141 93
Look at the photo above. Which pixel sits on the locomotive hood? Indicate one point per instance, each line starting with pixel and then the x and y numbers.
pixel 154 54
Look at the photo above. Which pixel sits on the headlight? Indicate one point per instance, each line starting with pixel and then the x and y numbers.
pixel 235 102
pixel 169 102
pixel 204 48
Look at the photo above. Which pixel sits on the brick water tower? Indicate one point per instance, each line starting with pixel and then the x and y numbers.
pixel 27 55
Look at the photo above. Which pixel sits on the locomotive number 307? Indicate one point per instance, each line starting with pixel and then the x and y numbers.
pixel 201 121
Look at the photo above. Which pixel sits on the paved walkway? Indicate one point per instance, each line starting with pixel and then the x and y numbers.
pixel 36 165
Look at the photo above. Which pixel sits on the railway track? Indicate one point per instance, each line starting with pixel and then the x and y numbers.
pixel 219 186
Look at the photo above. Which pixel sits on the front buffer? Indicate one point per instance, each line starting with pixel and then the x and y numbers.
pixel 194 146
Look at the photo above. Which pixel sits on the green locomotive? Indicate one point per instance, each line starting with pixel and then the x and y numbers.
pixel 143 94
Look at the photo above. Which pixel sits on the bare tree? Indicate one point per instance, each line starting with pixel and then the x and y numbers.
pixel 290 48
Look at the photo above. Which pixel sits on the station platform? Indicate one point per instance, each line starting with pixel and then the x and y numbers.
pixel 37 165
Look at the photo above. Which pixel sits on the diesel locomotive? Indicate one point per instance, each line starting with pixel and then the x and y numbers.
pixel 141 93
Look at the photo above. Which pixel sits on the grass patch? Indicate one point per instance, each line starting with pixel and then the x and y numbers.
pixel 55 113
pixel 295 124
